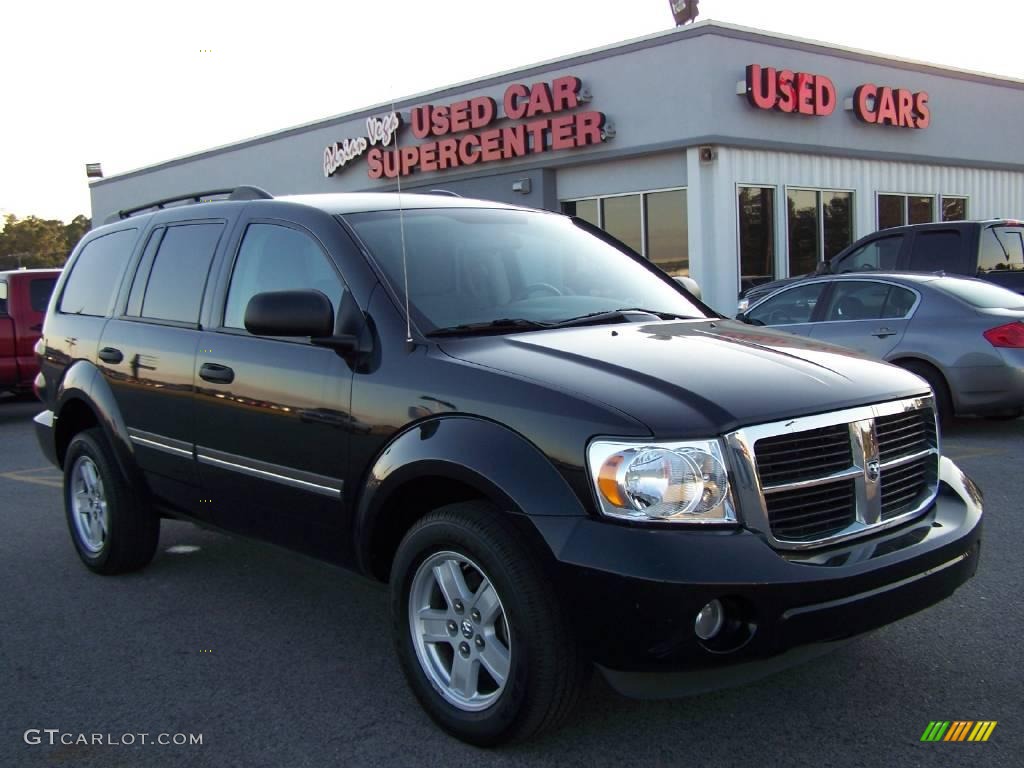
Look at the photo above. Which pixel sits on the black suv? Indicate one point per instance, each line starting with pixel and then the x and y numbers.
pixel 991 250
pixel 555 455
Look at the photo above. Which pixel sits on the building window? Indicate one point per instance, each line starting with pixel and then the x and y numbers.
pixel 820 225
pixel 756 235
pixel 584 209
pixel 892 211
pixel 920 209
pixel 954 208
pixel 621 218
pixel 895 210
pixel 654 224
pixel 668 235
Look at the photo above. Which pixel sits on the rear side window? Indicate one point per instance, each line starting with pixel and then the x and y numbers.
pixel 868 300
pixel 39 292
pixel 3 298
pixel 879 254
pixel 857 301
pixel 96 274
pixel 174 290
pixel 935 251
pixel 1002 249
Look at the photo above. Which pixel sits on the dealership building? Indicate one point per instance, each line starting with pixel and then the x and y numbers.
pixel 726 153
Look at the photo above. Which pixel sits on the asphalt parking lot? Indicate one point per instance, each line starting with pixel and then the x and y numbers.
pixel 281 661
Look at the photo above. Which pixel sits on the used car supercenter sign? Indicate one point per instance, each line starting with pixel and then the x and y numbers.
pixel 784 90
pixel 464 132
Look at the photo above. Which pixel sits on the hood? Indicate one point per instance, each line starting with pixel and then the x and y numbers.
pixel 692 378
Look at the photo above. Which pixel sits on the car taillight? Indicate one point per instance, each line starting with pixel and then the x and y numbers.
pixel 1010 335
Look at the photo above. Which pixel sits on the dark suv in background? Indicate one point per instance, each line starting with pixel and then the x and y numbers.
pixel 991 250
pixel 555 455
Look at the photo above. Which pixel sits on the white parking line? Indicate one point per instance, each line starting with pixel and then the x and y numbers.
pixel 48 476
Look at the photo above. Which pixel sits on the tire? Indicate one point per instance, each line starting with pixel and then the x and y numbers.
pixel 112 528
pixel 524 627
pixel 943 400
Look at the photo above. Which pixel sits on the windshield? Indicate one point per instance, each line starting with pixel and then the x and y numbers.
pixel 469 266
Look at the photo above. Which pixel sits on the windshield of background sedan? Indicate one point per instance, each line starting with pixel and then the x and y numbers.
pixel 473 266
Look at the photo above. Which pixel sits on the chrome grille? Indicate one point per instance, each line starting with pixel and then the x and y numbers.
pixel 902 486
pixel 817 452
pixel 819 479
pixel 903 433
pixel 810 513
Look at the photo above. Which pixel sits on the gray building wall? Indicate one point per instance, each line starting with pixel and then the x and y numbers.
pixel 665 95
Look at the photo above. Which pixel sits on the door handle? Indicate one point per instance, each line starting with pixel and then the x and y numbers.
pixel 216 373
pixel 110 355
pixel 883 332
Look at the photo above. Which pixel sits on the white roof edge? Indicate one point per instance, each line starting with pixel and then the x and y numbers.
pixel 704 26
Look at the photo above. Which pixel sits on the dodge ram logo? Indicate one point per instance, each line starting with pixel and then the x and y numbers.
pixel 872 470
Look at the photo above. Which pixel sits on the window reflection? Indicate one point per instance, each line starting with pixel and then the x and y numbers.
pixel 757 235
pixel 804 227
pixel 621 216
pixel 667 231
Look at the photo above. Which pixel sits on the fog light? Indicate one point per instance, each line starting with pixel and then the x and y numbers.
pixel 709 621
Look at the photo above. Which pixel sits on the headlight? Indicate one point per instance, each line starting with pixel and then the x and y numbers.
pixel 662 482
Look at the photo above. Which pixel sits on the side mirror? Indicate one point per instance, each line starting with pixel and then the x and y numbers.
pixel 290 313
pixel 690 285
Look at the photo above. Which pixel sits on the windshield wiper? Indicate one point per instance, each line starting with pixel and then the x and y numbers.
pixel 503 325
pixel 617 314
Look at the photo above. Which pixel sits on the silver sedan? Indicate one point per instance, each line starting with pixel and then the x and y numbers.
pixel 965 337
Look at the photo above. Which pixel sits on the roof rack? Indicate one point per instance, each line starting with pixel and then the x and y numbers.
pixel 447 192
pixel 236 193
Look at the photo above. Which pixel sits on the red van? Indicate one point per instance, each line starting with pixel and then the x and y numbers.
pixel 24 296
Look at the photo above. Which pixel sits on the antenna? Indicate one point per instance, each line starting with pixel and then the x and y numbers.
pixel 401 227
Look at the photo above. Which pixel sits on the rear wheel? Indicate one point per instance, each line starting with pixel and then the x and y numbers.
pixel 482 640
pixel 943 400
pixel 113 530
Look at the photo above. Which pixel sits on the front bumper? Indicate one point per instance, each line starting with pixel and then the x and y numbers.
pixel 634 592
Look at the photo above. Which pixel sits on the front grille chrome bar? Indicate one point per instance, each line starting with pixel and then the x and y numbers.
pixel 866 470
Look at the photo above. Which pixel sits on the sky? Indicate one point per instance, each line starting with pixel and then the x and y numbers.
pixel 130 84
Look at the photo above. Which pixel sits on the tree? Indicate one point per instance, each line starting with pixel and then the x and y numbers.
pixel 35 242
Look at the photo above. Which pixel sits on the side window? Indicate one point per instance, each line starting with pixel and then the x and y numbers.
pixel 39 292
pixel 1002 248
pixel 277 258
pixel 937 250
pixel 174 290
pixel 142 273
pixel 899 303
pixel 795 305
pixel 857 300
pixel 3 298
pixel 880 254
pixel 96 274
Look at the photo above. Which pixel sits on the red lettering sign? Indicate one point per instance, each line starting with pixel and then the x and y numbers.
pixel 882 105
pixel 787 91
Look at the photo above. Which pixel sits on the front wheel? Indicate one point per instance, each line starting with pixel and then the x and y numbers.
pixel 113 529
pixel 482 640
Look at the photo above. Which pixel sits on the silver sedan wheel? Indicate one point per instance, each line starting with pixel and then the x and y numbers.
pixel 460 631
pixel 89 505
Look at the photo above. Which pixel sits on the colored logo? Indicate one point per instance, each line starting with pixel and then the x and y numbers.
pixel 958 730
